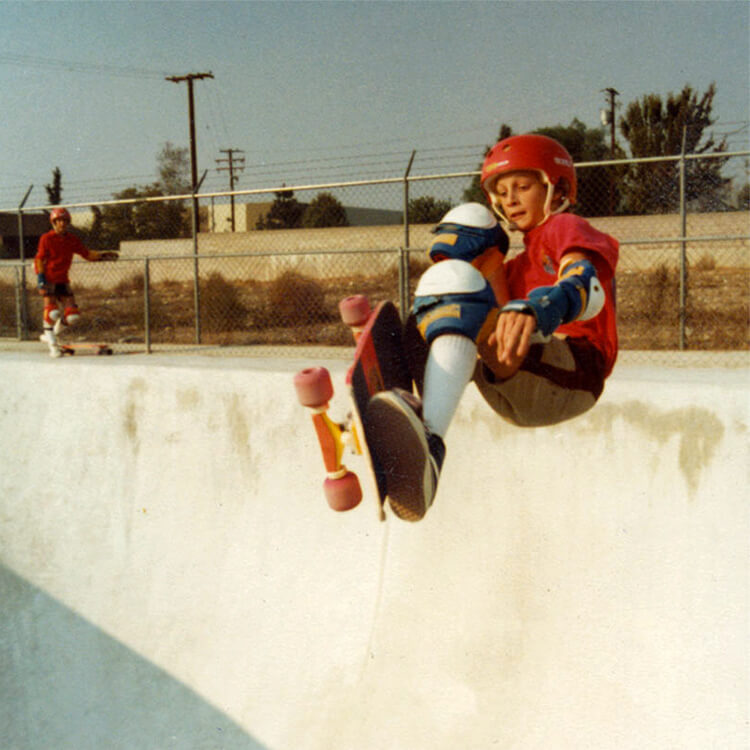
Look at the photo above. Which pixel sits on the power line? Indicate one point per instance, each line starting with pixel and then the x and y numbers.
pixel 368 163
pixel 28 61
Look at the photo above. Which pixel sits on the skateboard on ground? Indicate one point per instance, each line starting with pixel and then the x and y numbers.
pixel 86 347
pixel 58 349
pixel 378 365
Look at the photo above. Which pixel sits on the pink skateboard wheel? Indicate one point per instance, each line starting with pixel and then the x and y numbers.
pixel 314 387
pixel 343 493
pixel 355 310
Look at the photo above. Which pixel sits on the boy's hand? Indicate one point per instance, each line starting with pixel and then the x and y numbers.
pixel 103 255
pixel 512 337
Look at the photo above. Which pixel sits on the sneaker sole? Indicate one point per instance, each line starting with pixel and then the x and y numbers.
pixel 393 435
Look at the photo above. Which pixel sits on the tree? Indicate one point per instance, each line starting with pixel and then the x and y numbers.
pixel 285 212
pixel 94 235
pixel 474 194
pixel 54 191
pixel 174 169
pixel 427 210
pixel 147 220
pixel 656 127
pixel 324 211
pixel 743 198
pixel 595 197
pixel 598 187
pixel 140 220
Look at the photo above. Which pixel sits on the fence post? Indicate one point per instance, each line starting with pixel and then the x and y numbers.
pixel 19 304
pixel 403 258
pixel 196 276
pixel 23 316
pixel 24 309
pixel 683 244
pixel 147 304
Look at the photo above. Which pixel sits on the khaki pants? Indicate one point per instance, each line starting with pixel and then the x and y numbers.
pixel 558 380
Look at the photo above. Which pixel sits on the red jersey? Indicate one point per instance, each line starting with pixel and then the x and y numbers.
pixel 55 254
pixel 539 264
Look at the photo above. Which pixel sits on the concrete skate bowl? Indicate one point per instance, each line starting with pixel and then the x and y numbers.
pixel 172 577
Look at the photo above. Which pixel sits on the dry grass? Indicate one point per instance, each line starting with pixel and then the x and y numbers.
pixel 716 308
pixel 295 309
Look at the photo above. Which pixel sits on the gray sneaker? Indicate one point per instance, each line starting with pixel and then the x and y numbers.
pixel 410 455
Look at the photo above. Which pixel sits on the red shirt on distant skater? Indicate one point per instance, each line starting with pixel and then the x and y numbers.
pixel 55 254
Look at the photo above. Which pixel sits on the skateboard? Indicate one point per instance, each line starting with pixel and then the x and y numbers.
pixel 85 347
pixel 378 365
pixel 58 349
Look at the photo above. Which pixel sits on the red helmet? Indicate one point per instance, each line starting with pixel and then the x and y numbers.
pixel 59 213
pixel 537 153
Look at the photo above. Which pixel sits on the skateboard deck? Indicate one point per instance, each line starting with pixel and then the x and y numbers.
pixel 85 347
pixel 378 364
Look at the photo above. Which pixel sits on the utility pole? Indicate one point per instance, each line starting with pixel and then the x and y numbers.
pixel 190 77
pixel 608 118
pixel 232 161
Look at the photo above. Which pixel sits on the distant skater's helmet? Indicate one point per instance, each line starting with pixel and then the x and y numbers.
pixel 59 213
pixel 536 153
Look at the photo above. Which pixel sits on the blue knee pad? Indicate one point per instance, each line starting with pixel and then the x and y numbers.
pixel 465 233
pixel 452 297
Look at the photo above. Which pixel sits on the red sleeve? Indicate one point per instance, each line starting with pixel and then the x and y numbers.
pixel 40 259
pixel 567 232
pixel 79 248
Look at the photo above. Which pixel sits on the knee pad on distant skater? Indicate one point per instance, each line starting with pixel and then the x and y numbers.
pixel 51 315
pixel 452 297
pixel 72 315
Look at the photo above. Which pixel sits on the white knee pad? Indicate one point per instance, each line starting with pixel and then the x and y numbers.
pixel 452 297
pixel 450 277
pixel 72 315
pixel 470 215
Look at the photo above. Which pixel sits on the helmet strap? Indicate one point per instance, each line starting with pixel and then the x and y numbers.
pixel 548 210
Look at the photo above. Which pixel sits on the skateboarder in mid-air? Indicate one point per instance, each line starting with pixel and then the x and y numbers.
pixel 52 263
pixel 536 332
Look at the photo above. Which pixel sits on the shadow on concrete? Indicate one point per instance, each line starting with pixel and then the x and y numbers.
pixel 65 684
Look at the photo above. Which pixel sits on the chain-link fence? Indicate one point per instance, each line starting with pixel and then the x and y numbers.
pixel 682 282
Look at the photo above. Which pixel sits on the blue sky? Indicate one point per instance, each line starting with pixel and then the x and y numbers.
pixel 313 91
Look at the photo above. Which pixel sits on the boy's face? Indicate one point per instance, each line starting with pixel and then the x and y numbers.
pixel 522 196
pixel 60 225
